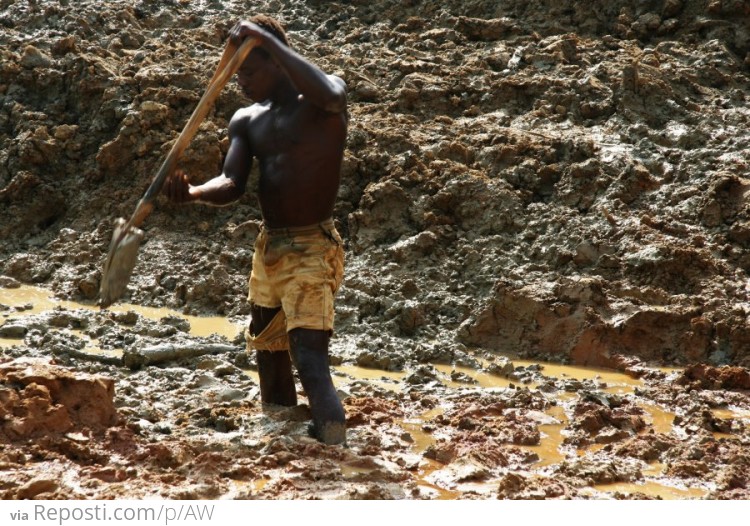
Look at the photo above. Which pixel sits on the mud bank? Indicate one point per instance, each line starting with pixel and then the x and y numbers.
pixel 546 181
pixel 524 177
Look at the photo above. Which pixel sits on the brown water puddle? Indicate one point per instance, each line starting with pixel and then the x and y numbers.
pixel 244 487
pixel 483 380
pixel 732 412
pixel 654 486
pixel 549 450
pixel 390 380
pixel 616 382
pixel 8 342
pixel 661 420
pixel 91 346
pixel 431 488
pixel 41 300
pixel 653 489
pixel 252 374
pixel 422 439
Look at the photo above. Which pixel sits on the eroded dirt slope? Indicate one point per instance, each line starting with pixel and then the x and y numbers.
pixel 560 180
pixel 547 178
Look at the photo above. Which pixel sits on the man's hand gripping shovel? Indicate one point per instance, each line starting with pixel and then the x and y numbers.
pixel 123 249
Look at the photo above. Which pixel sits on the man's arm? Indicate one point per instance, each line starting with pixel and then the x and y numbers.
pixel 324 91
pixel 228 186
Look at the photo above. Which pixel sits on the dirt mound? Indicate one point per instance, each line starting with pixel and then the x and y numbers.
pixel 703 376
pixel 549 179
pixel 40 399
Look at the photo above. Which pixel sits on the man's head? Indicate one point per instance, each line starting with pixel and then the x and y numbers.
pixel 257 74
pixel 271 25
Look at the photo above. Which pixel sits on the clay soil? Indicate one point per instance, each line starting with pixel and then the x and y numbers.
pixel 556 180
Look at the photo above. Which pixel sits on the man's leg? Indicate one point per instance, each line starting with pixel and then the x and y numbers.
pixel 274 367
pixel 309 349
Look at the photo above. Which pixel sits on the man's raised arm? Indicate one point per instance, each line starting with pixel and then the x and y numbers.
pixel 327 92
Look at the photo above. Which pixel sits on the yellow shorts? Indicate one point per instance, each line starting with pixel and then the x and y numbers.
pixel 298 269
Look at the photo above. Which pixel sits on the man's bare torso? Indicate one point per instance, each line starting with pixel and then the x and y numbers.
pixel 299 148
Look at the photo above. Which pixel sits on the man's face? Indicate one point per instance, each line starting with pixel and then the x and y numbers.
pixel 255 77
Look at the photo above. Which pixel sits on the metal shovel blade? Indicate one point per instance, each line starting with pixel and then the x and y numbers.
pixel 121 259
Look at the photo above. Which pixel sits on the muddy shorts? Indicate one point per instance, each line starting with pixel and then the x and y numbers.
pixel 298 269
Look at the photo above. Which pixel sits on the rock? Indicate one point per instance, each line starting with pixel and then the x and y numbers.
pixel 36 487
pixel 423 374
pixel 89 285
pixel 10 330
pixel 229 394
pixel 127 318
pixel 443 453
pixel 6 282
pixel 502 366
pixel 368 92
pixel 457 376
pixel 33 58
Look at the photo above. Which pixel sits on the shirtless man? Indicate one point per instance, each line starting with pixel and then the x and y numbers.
pixel 296 129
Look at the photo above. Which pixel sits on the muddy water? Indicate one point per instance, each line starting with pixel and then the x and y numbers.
pixel 92 347
pixel 611 381
pixel 550 449
pixel 345 373
pixel 35 300
pixel 731 412
pixel 727 413
pixel 653 489
pixel 661 420
pixel 552 424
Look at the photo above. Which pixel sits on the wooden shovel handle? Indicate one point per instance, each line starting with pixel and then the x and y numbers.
pixel 228 66
pixel 229 50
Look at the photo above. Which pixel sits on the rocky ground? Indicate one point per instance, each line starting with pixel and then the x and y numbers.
pixel 561 181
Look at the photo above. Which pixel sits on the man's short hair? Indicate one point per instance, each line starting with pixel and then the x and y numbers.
pixel 271 25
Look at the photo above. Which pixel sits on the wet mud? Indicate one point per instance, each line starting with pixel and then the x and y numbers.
pixel 525 188
pixel 79 420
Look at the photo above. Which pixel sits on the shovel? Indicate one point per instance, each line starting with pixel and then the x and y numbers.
pixel 123 249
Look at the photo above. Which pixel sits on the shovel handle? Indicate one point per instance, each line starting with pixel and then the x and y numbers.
pixel 226 68
pixel 229 50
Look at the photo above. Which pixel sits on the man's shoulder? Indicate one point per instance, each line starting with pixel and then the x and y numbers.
pixel 249 113
pixel 335 103
pixel 338 80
